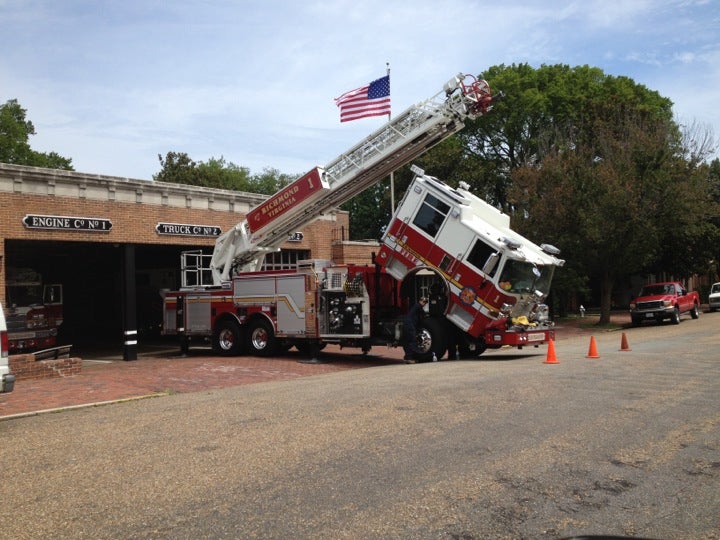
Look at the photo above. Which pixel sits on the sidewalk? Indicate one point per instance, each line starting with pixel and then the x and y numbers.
pixel 162 370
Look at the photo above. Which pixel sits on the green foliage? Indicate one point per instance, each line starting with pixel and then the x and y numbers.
pixel 15 131
pixel 369 212
pixel 692 221
pixel 179 168
pixel 269 181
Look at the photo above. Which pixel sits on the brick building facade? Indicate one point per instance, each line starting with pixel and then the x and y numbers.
pixel 83 230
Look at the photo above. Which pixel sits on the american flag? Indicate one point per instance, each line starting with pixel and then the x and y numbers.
pixel 370 100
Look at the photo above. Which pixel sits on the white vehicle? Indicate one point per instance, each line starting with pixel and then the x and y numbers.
pixel 7 379
pixel 714 298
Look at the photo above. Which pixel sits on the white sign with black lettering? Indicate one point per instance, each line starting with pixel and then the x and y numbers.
pixel 186 229
pixel 67 223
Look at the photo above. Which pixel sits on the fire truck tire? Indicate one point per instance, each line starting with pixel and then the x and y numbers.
pixel 261 338
pixel 431 338
pixel 466 352
pixel 228 339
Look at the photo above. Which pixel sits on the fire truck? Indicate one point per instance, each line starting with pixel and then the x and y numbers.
pixel 486 283
pixel 33 310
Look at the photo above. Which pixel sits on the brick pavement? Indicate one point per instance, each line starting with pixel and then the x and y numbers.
pixel 108 379
pixel 162 371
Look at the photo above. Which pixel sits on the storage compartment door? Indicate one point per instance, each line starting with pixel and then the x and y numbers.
pixel 291 305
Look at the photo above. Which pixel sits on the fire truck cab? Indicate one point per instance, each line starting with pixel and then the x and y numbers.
pixel 492 282
pixel 34 310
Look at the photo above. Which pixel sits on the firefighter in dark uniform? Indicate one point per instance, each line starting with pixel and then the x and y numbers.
pixel 410 325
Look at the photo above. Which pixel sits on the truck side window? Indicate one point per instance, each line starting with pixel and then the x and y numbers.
pixel 479 255
pixel 431 215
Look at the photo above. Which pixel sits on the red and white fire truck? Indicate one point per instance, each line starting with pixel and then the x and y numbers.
pixel 485 282
pixel 33 310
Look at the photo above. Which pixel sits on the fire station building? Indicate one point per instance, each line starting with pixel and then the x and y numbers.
pixel 113 243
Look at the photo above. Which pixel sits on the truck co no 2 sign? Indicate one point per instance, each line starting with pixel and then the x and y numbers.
pixel 67 223
pixel 185 229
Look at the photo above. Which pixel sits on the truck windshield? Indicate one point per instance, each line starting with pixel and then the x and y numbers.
pixel 25 295
pixel 525 277
pixel 657 289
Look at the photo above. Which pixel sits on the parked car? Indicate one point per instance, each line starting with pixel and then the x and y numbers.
pixel 667 300
pixel 7 379
pixel 714 297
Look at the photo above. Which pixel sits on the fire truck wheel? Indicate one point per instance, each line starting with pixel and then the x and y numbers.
pixel 431 338
pixel 227 338
pixel 467 352
pixel 261 338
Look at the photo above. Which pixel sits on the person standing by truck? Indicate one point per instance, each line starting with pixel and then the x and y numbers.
pixel 410 325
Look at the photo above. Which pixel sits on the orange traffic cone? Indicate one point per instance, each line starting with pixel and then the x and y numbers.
pixel 592 352
pixel 624 343
pixel 551 358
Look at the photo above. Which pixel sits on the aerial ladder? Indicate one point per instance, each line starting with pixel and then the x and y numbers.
pixel 410 134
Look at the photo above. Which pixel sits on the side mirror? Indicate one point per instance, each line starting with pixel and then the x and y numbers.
pixel 491 264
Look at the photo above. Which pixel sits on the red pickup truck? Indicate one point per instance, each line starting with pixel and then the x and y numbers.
pixel 658 301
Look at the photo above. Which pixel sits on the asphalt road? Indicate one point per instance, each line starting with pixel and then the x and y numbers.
pixel 503 447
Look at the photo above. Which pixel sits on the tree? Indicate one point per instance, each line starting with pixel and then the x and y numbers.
pixel 598 211
pixel 714 179
pixel 269 181
pixel 179 168
pixel 369 212
pixel 510 136
pixel 15 132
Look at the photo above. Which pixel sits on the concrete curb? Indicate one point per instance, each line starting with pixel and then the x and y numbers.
pixel 82 406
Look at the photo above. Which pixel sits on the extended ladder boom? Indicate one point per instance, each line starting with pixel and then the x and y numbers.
pixel 402 139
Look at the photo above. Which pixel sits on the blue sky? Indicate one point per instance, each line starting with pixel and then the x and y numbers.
pixel 112 84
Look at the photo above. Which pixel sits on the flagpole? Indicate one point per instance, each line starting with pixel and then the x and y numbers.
pixel 392 173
